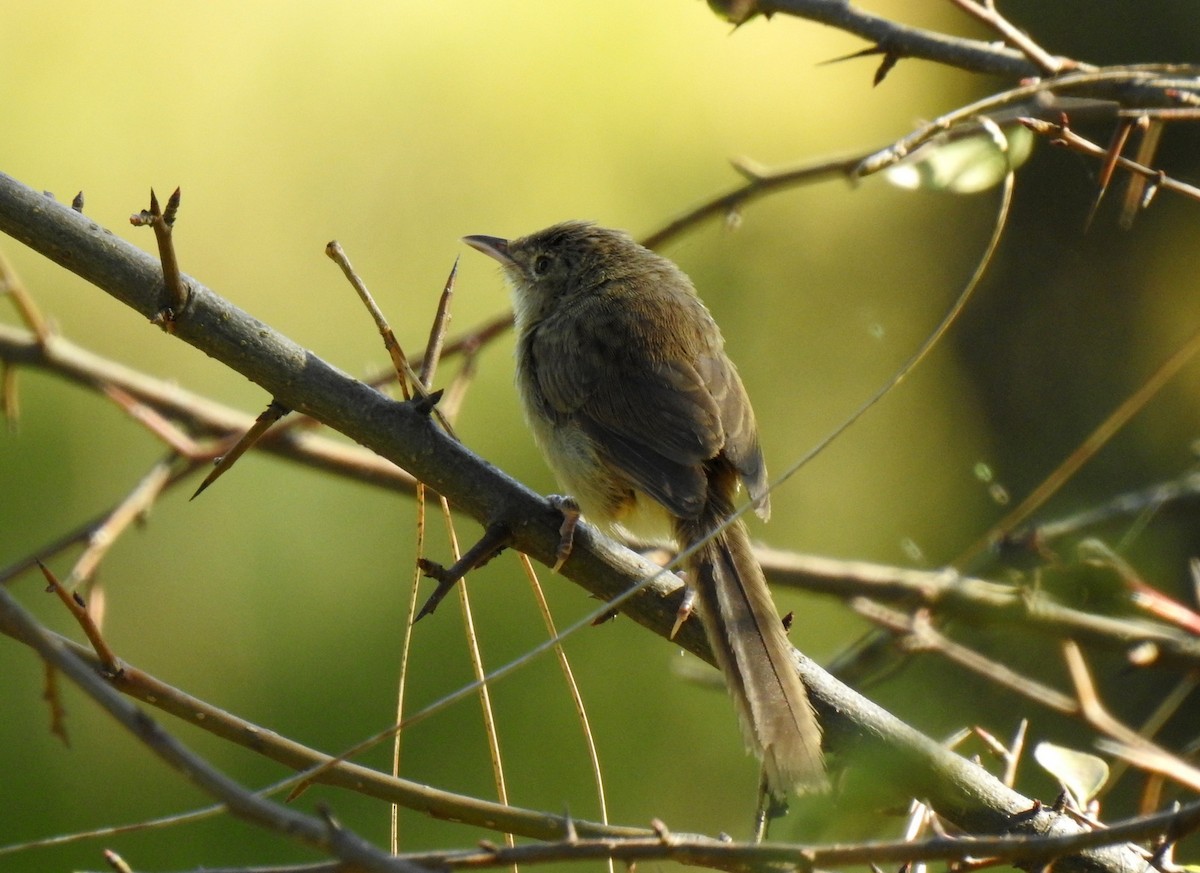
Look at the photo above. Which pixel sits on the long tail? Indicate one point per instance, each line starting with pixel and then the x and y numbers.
pixel 753 652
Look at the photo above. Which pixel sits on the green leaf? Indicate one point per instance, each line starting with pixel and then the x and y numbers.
pixel 1081 773
pixel 962 163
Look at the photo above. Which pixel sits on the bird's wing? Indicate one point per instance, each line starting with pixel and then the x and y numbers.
pixel 741 446
pixel 656 421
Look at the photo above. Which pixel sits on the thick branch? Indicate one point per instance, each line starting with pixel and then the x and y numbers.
pixel 910 42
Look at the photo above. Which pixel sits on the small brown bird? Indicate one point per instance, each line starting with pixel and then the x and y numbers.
pixel 626 385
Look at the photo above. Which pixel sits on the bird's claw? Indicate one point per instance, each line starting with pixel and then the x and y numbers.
pixel 570 511
pixel 685 608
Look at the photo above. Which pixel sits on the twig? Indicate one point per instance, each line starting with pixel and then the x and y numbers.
pixel 917 634
pixel 949 595
pixel 1064 136
pixel 409 379
pixel 1015 748
pixel 1153 723
pixel 163 222
pixel 1020 851
pixel 11 284
pixel 317 766
pixel 1025 852
pixel 437 331
pixel 1139 81
pixel 479 671
pixel 135 505
pixel 110 663
pixel 62 357
pixel 760 182
pixel 162 428
pixel 1142 595
pixel 581 713
pixel 1175 494
pixel 495 538
pixel 987 13
pixel 1133 743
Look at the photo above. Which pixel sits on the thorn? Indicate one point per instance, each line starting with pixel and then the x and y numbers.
pixel 890 59
pixel 750 170
pixel 326 813
pixel 570 834
pixel 115 861
pixel 605 618
pixel 432 570
pixel 660 829
pixel 274 411
pixel 297 791
pixel 77 202
pixel 172 208
pixel 496 538
pixel 1115 147
pixel 425 403
pixel 861 53
pixel 1060 802
pixel 935 825
pixel 177 292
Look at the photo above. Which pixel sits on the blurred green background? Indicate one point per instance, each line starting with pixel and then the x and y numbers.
pixel 398 127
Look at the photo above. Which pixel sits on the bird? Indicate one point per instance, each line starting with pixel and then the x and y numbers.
pixel 642 416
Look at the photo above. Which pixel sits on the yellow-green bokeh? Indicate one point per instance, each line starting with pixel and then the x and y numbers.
pixel 397 127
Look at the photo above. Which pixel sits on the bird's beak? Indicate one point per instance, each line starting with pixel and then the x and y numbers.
pixel 492 246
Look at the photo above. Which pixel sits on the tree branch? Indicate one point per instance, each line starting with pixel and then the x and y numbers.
pixel 978 600
pixel 857 730
pixel 891 37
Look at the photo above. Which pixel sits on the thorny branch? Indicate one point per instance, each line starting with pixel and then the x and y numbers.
pixel 972 798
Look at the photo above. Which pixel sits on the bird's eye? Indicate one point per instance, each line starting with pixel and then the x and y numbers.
pixel 541 264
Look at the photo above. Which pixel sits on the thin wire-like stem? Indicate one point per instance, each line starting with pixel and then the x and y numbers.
pixel 935 336
pixel 564 664
pixel 483 691
pixel 405 655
